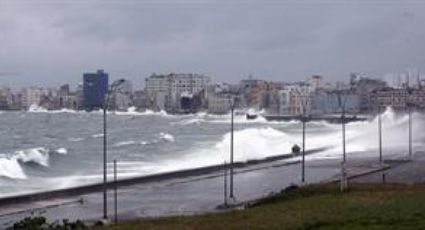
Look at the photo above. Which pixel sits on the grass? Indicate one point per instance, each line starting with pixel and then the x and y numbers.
pixel 364 206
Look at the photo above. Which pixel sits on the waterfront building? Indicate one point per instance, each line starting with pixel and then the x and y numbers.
pixel 121 95
pixel 139 99
pixel 95 88
pixel 365 88
pixel 219 104
pixel 254 93
pixel 32 96
pixel 399 98
pixel 173 91
pixel 333 101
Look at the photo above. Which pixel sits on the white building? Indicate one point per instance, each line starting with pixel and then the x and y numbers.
pixel 219 104
pixel 165 91
pixel 32 96
pixel 122 94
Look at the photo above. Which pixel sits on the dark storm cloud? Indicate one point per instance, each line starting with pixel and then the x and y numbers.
pixel 50 42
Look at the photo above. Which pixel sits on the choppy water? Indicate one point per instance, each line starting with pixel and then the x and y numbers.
pixel 43 150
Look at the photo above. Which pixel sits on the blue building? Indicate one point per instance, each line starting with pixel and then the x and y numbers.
pixel 95 87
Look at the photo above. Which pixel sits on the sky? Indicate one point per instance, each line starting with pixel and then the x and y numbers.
pixel 49 43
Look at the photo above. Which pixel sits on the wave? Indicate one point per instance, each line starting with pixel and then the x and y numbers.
pixel 132 111
pixel 62 151
pixel 166 137
pixel 10 164
pixel 75 139
pixel 39 156
pixel 37 109
pixel 98 135
pixel 10 168
pixel 125 143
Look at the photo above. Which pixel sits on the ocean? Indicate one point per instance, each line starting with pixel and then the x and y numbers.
pixel 45 150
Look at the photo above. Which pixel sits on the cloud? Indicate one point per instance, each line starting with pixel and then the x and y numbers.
pixel 55 42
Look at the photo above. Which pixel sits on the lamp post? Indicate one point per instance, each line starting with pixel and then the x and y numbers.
pixel 105 198
pixel 380 134
pixel 231 194
pixel 342 101
pixel 304 102
pixel 409 105
pixel 410 132
pixel 303 118
pixel 105 143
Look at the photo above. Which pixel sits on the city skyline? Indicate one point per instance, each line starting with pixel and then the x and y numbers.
pixel 51 43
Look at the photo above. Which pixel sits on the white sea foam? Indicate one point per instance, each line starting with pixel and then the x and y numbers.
pixel 62 151
pixel 166 137
pixel 36 109
pixel 10 163
pixel 10 168
pixel 133 112
pixel 75 139
pixel 99 135
pixel 124 143
pixel 35 155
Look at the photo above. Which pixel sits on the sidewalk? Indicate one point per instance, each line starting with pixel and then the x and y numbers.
pixel 188 195
pixel 203 193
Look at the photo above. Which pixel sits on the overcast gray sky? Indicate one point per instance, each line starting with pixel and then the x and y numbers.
pixel 54 42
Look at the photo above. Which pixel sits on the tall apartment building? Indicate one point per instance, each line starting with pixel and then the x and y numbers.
pixel 95 87
pixel 168 92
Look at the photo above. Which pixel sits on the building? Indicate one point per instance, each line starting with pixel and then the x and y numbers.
pixel 95 88
pixel 139 99
pixel 219 104
pixel 365 88
pixel 333 101
pixel 399 98
pixel 254 93
pixel 122 95
pixel 177 92
pixel 31 96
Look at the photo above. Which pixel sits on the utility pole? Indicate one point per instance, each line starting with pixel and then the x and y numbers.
pixel 410 132
pixel 342 103
pixel 380 134
pixel 303 157
pixel 304 103
pixel 105 199
pixel 115 193
pixel 344 158
pixel 225 184
pixel 231 149
pixel 105 145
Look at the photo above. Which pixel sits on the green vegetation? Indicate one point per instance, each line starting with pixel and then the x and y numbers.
pixel 364 206
pixel 40 223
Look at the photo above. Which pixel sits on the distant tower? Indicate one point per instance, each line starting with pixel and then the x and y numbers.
pixel 95 87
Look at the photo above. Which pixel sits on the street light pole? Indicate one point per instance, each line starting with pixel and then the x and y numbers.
pixel 105 203
pixel 231 195
pixel 303 157
pixel 106 99
pixel 380 134
pixel 410 131
pixel 344 158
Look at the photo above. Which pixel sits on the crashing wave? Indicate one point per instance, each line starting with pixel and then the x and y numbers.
pixel 10 163
pixel 132 111
pixel 166 137
pixel 34 108
pixel 124 143
pixel 10 168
